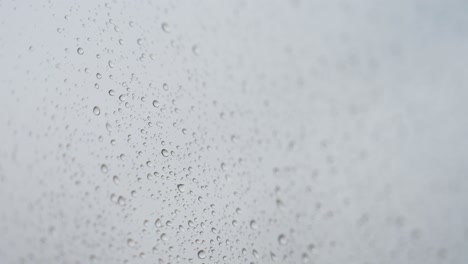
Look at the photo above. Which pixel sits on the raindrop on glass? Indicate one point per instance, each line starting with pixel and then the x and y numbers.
pixel 181 188
pixel 282 239
pixel 165 27
pixel 104 168
pixel 253 225
pixel 196 50
pixel 165 153
pixel 158 223
pixel 155 103
pixel 96 110
pixel 201 254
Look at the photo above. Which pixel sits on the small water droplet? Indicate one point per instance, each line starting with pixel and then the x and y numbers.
pixel 196 50
pixel 255 253
pixel 116 179
pixel 104 168
pixel 111 64
pixel 96 110
pixel 121 201
pixel 158 223
pixel 131 243
pixel 223 166
pixel 80 51
pixel 165 27
pixel 253 225
pixel 282 239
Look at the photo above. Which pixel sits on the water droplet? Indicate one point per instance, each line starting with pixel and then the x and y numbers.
pixel 201 254
pixel 223 166
pixel 121 201
pixel 282 239
pixel 116 179
pixel 80 51
pixel 131 243
pixel 181 188
pixel 158 223
pixel 111 92
pixel 196 50
pixel 165 27
pixel 255 253
pixel 96 110
pixel 104 168
pixel 155 103
pixel 165 86
pixel 165 153
pixel 111 64
pixel 253 225
pixel 139 41
pixel 98 75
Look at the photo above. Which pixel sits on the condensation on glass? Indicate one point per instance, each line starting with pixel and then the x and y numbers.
pixel 233 132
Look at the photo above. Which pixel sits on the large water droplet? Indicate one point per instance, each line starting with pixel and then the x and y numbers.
pixel 181 188
pixel 253 225
pixel 201 254
pixel 165 153
pixel 155 103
